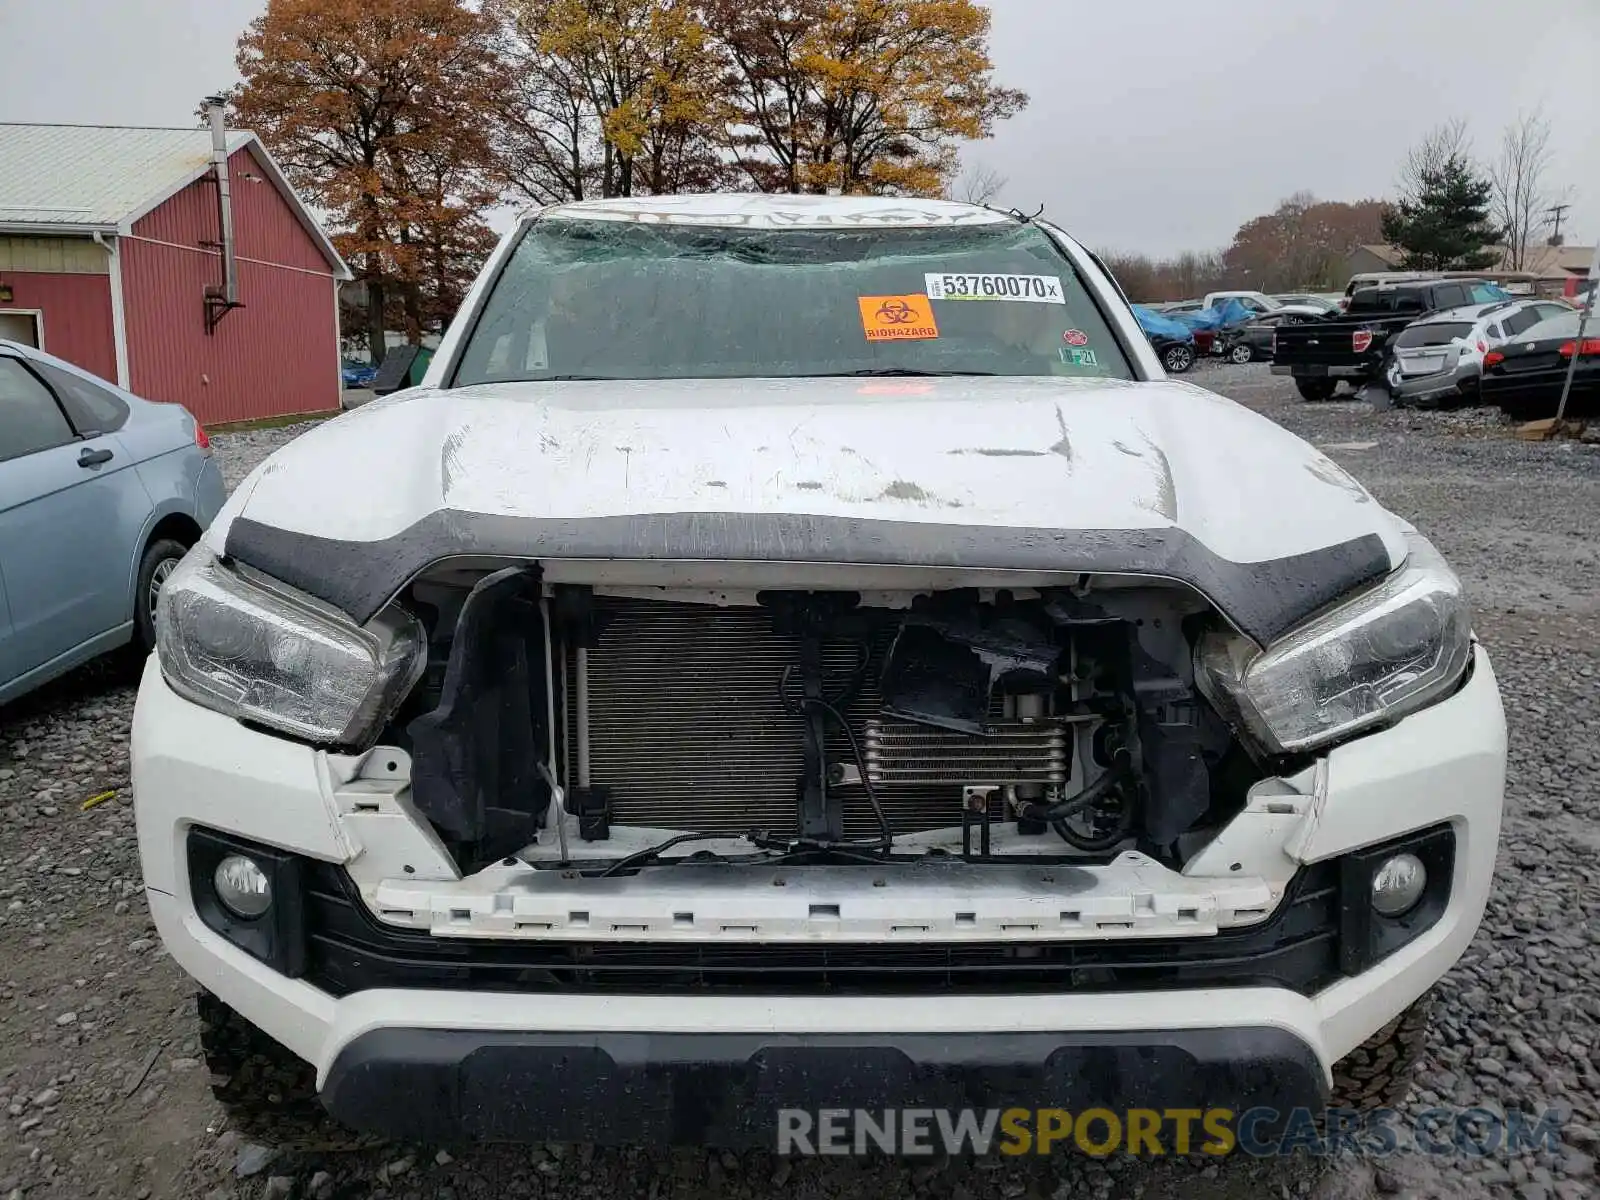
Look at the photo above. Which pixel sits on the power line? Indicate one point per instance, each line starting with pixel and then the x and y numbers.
pixel 1557 211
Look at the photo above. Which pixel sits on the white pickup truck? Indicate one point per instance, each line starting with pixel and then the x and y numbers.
pixel 803 651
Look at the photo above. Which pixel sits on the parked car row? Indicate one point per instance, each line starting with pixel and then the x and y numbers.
pixel 1426 338
pixel 1356 345
pixel 1420 342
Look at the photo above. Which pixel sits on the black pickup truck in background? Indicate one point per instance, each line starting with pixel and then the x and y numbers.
pixel 1354 345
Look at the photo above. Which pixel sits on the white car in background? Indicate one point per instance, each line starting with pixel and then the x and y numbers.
pixel 1439 359
pixel 1262 303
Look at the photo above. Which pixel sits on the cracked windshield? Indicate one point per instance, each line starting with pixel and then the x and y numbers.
pixel 586 299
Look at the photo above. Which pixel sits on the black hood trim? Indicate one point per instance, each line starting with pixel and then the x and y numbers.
pixel 1264 599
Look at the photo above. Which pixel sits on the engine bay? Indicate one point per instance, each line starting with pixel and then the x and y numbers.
pixel 609 728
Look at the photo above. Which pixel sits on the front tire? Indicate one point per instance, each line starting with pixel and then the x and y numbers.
pixel 1378 1073
pixel 161 557
pixel 1177 359
pixel 1315 389
pixel 1242 353
pixel 268 1093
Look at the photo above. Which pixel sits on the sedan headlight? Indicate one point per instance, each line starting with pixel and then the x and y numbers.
pixel 1377 656
pixel 238 642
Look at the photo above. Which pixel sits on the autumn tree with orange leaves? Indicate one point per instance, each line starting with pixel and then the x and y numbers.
pixel 1302 243
pixel 376 109
pixel 609 98
pixel 856 95
pixel 617 97
pixel 406 121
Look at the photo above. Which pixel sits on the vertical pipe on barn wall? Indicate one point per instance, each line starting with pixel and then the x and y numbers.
pixel 338 341
pixel 119 320
pixel 216 112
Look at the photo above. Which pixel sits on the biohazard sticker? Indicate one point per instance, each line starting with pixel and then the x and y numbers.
pixel 1036 289
pixel 898 318
pixel 1075 337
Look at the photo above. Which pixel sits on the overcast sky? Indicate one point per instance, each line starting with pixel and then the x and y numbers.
pixel 1155 126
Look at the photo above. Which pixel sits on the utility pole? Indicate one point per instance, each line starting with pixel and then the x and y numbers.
pixel 1577 345
pixel 1557 211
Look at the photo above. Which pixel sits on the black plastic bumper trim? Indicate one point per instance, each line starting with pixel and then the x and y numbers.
pixel 1265 599
pixel 349 951
pixel 727 1089
pixel 278 936
pixel 1365 937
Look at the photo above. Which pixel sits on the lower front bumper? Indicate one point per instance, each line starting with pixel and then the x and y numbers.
pixel 731 1089
pixel 1448 385
pixel 1301 371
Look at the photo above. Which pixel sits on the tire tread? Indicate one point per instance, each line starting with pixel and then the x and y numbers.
pixel 1377 1073
pixel 268 1093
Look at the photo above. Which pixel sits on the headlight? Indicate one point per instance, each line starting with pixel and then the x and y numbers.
pixel 248 646
pixel 1382 654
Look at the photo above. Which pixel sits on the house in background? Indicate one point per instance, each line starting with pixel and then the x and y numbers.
pixel 1555 270
pixel 177 262
pixel 1367 260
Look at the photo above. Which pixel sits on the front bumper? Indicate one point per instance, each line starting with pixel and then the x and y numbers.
pixel 1443 385
pixel 643 1064
pixel 730 1089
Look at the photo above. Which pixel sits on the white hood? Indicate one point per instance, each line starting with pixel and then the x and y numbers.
pixel 1004 452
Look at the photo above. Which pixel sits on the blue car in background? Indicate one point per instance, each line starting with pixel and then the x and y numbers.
pixel 1172 341
pixel 357 375
pixel 101 494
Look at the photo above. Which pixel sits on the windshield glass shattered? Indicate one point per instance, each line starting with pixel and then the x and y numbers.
pixel 586 299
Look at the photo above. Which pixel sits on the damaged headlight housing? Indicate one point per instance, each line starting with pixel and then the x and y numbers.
pixel 1384 653
pixel 245 645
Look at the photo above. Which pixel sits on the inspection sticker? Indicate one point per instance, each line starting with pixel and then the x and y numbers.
pixel 1036 289
pixel 897 318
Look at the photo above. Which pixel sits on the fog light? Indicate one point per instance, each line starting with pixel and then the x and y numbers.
pixel 1397 885
pixel 243 887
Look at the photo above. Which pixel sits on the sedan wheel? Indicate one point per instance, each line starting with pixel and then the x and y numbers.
pixel 1178 359
pixel 161 559
pixel 1241 354
pixel 158 579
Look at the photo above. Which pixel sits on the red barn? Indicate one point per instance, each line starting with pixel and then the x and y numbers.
pixel 177 262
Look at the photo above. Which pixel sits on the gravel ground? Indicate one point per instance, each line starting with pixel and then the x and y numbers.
pixel 102 1092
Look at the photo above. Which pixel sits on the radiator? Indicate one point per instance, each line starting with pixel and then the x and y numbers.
pixel 687 731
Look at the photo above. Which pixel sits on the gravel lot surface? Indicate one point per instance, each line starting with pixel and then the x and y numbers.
pixel 102 1092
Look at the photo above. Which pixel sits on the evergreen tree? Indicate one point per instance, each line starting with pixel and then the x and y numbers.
pixel 1444 224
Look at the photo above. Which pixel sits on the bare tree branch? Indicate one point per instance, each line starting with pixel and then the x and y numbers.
pixel 1522 199
pixel 1437 147
pixel 979 184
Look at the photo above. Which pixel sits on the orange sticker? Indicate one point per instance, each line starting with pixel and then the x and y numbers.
pixel 898 318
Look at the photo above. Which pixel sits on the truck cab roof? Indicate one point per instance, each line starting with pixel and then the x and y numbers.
pixel 1422 296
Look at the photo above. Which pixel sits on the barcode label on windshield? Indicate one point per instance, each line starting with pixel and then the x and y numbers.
pixel 1037 289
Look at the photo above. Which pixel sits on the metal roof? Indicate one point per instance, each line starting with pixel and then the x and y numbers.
pixel 94 175
pixel 101 178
